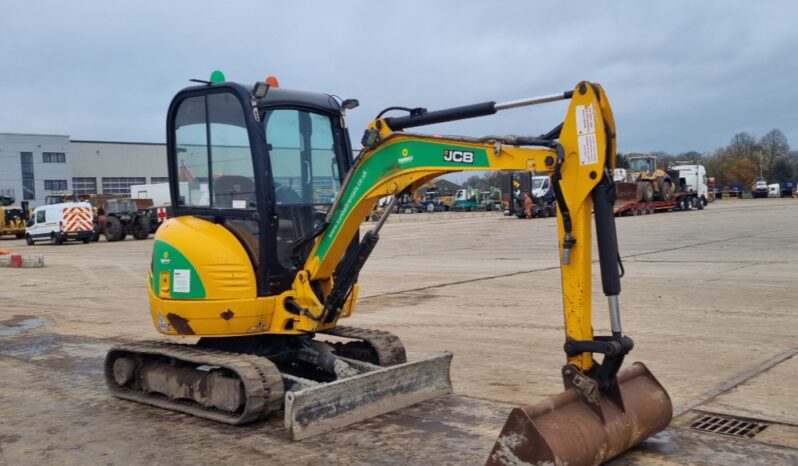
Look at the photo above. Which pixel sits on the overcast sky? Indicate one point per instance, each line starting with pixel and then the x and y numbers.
pixel 680 75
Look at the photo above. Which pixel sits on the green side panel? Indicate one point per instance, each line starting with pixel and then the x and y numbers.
pixel 183 277
pixel 393 158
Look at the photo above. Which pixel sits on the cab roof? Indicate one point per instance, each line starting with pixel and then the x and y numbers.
pixel 278 96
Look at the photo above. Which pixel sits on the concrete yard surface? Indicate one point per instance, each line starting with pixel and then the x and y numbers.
pixel 709 298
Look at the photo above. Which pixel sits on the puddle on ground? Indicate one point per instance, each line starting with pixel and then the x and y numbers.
pixel 19 324
pixel 64 353
pixel 662 442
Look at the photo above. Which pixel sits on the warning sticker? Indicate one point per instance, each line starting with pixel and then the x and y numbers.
pixel 588 153
pixel 181 281
pixel 585 119
pixel 586 134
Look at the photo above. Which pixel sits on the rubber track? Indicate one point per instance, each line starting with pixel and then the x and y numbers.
pixel 388 346
pixel 263 384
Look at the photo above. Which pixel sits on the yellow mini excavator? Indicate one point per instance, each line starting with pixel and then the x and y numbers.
pixel 262 259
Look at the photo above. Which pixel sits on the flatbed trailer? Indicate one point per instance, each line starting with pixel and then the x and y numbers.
pixel 679 201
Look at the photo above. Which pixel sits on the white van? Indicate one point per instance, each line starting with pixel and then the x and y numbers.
pixel 774 190
pixel 57 223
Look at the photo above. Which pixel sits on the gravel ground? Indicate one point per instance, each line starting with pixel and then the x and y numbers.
pixel 709 297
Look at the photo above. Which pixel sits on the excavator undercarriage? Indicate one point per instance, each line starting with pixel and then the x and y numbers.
pixel 239 380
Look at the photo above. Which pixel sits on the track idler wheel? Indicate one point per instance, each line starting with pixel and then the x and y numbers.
pixel 565 430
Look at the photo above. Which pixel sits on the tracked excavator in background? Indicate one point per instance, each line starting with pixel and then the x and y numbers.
pixel 262 260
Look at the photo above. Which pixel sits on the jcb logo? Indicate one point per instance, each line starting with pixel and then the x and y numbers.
pixel 459 156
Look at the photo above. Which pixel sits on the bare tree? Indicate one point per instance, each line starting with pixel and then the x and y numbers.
pixel 742 145
pixel 783 171
pixel 774 146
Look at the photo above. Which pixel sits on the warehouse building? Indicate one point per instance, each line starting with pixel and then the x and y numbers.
pixel 33 166
pixel 102 167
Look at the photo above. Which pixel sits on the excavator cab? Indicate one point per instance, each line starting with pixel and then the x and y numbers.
pixel 267 169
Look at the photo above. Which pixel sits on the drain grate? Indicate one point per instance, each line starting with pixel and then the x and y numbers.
pixel 728 426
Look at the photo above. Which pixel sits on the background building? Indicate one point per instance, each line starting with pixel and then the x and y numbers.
pixel 34 165
pixel 106 167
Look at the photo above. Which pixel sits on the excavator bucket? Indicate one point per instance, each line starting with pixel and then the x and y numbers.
pixel 325 407
pixel 565 430
pixel 628 192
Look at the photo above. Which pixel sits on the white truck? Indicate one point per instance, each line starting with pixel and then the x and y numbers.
pixel 693 179
pixel 57 223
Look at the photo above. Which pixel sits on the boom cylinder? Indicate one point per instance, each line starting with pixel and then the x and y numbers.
pixel 469 111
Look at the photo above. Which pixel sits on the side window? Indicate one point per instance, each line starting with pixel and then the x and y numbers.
pixel 191 144
pixel 40 216
pixel 233 184
pixel 214 173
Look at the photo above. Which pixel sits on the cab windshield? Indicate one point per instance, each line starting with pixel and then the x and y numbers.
pixel 642 165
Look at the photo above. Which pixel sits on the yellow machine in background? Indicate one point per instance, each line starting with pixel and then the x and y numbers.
pixel 12 219
pixel 653 183
pixel 262 268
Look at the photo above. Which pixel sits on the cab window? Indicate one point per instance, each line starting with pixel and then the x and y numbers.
pixel 214 159
pixel 302 155
pixel 40 216
pixel 304 170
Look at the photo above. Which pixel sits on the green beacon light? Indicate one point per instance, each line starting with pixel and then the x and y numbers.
pixel 217 76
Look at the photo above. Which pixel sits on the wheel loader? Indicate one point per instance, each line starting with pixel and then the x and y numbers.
pixel 262 258
pixel 644 181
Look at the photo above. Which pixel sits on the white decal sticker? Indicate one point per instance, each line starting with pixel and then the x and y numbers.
pixel 181 281
pixel 405 159
pixel 585 119
pixel 239 204
pixel 588 153
pixel 586 134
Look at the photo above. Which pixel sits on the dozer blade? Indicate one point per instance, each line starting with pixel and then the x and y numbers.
pixel 328 406
pixel 564 430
